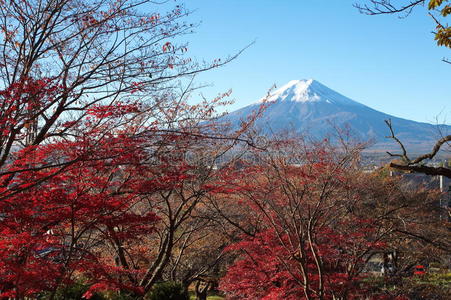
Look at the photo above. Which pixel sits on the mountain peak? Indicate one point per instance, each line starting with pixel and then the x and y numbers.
pixel 307 91
pixel 308 106
pixel 296 91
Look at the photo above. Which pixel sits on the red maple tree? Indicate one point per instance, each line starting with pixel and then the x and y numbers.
pixel 308 244
pixel 92 132
pixel 82 207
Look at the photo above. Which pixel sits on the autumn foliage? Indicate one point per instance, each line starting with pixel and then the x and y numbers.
pixel 93 137
pixel 308 244
pixel 113 178
pixel 84 206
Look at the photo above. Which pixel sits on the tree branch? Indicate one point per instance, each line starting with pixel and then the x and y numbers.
pixel 412 165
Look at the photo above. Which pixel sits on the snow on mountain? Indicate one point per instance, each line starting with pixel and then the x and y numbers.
pixel 309 106
pixel 307 91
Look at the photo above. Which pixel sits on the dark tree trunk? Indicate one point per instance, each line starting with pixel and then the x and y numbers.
pixel 202 290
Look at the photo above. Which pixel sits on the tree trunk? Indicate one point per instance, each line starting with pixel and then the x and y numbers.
pixel 202 290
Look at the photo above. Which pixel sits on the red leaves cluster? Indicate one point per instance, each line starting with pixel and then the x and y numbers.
pixel 267 269
pixel 52 216
pixel 117 110
pixel 64 205
pixel 22 101
pixel 82 167
pixel 308 244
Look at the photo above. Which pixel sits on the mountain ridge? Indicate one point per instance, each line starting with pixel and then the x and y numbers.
pixel 309 106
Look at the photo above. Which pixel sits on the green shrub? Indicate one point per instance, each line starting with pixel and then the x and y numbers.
pixel 168 291
pixel 74 291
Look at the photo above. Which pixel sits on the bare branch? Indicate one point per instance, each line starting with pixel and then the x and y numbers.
pixel 379 7
pixel 434 151
pixel 413 165
pixel 393 136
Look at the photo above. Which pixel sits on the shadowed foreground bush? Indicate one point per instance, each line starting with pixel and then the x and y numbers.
pixel 168 291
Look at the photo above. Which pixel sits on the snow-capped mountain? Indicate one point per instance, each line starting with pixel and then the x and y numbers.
pixel 311 107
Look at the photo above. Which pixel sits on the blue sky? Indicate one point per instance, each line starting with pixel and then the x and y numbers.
pixel 385 62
